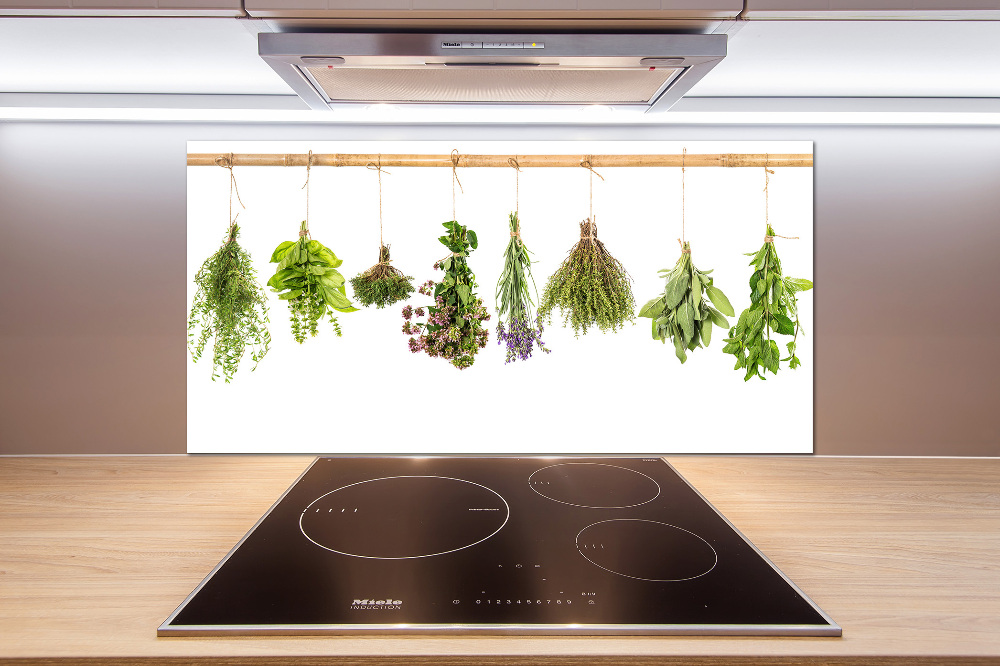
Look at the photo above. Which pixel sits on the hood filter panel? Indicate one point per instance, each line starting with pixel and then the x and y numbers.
pixel 491 84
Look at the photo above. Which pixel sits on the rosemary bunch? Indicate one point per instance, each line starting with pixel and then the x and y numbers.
pixel 308 279
pixel 382 284
pixel 591 288
pixel 514 300
pixel 682 313
pixel 229 306
pixel 772 306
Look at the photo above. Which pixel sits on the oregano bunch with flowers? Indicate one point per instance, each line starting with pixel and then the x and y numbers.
pixel 454 326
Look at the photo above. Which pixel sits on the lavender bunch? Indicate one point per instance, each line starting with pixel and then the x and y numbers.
pixel 514 300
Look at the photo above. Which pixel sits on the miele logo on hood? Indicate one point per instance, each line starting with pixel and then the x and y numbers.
pixel 376 604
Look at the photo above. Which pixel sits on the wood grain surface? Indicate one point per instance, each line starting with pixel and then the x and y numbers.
pixel 95 552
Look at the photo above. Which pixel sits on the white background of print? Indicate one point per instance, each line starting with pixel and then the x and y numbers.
pixel 365 393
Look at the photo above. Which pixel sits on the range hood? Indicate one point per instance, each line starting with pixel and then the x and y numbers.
pixel 343 70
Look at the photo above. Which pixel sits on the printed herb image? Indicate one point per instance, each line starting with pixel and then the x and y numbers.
pixel 515 326
pixel 454 327
pixel 307 278
pixel 591 288
pixel 382 284
pixel 773 308
pixel 682 312
pixel 230 306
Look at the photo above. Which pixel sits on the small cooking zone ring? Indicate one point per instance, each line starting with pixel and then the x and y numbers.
pixel 594 485
pixel 646 550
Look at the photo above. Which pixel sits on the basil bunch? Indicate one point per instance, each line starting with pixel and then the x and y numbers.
pixel 773 305
pixel 453 329
pixel 231 306
pixel 307 278
pixel 682 312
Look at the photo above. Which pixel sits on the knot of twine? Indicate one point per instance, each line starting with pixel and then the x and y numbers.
pixel 303 232
pixel 685 247
pixel 589 228
pixel 455 155
pixel 770 239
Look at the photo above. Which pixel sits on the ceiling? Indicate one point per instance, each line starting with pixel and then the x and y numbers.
pixel 218 56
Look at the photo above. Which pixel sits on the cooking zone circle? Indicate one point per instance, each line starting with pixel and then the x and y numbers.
pixel 594 485
pixel 404 517
pixel 646 550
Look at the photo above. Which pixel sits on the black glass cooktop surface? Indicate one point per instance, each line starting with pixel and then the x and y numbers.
pixel 495 546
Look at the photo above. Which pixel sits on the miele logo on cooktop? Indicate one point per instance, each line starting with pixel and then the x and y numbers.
pixel 376 604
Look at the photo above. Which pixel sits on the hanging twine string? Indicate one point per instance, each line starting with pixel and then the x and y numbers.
pixel 378 167
pixel 309 161
pixel 454 179
pixel 683 202
pixel 517 197
pixel 588 164
pixel 227 163
pixel 767 180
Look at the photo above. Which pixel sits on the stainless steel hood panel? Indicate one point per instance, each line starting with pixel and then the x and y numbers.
pixel 329 70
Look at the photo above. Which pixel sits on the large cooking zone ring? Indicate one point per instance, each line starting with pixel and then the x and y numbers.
pixel 404 517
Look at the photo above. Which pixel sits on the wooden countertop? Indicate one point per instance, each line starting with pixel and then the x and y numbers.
pixel 904 554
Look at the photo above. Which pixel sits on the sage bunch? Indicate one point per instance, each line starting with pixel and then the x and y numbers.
pixel 307 278
pixel 514 304
pixel 590 287
pixel 773 309
pixel 229 306
pixel 382 284
pixel 682 312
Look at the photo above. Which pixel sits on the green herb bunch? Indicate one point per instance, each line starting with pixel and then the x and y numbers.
pixel 454 328
pixel 514 300
pixel 682 312
pixel 773 307
pixel 230 306
pixel 308 279
pixel 382 284
pixel 591 288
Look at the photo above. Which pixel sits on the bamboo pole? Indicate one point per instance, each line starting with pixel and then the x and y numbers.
pixel 597 161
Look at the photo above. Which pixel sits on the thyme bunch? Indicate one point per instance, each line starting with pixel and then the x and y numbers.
pixel 307 278
pixel 682 313
pixel 773 304
pixel 590 287
pixel 514 300
pixel 382 284
pixel 229 306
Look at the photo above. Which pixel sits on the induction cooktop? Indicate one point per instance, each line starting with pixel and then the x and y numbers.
pixel 480 545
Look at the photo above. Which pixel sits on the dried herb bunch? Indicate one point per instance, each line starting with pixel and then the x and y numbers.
pixel 454 328
pixel 682 313
pixel 514 300
pixel 308 279
pixel 382 284
pixel 230 306
pixel 773 306
pixel 591 288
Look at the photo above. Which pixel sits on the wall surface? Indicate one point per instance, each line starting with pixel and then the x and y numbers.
pixel 93 311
